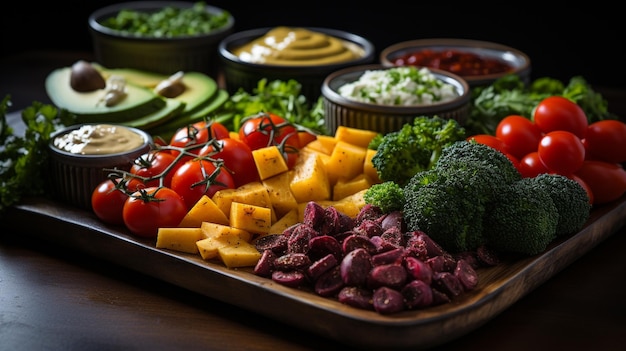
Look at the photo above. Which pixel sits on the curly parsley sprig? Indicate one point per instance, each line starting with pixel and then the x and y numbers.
pixel 24 158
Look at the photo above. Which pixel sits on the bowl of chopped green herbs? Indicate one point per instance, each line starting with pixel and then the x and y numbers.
pixel 159 36
pixel 384 99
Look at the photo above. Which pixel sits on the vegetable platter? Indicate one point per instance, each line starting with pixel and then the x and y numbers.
pixel 499 287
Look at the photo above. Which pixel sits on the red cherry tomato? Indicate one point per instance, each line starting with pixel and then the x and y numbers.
pixel 531 166
pixel 606 180
pixel 237 158
pixel 520 135
pixel 606 141
pixel 305 138
pixel 559 113
pixel 152 164
pixel 561 152
pixel 266 130
pixel 108 198
pixel 198 134
pixel 490 140
pixel 198 177
pixel 147 210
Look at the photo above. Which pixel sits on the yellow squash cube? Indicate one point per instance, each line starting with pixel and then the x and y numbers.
pixel 205 210
pixel 251 218
pixel 346 160
pixel 309 181
pixel 344 188
pixel 240 255
pixel 269 161
pixel 280 194
pixel 355 136
pixel 179 239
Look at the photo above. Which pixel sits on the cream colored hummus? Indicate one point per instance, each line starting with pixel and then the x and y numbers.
pixel 99 139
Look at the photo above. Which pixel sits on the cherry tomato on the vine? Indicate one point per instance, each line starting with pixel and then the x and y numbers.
pixel 149 209
pixel 606 141
pixel 152 164
pixel 237 158
pixel 198 134
pixel 268 129
pixel 561 152
pixel 520 135
pixel 560 113
pixel 108 198
pixel 198 177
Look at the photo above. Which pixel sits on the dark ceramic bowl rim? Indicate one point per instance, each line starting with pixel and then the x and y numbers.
pixel 96 158
pixel 338 78
pixel 251 34
pixel 112 10
pixel 518 59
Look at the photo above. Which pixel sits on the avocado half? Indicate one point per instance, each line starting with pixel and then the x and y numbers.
pixel 142 107
pixel 90 107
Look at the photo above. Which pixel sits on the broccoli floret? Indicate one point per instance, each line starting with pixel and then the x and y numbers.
pixel 414 148
pixel 446 208
pixel 523 219
pixel 570 198
pixel 465 151
pixel 449 201
pixel 388 196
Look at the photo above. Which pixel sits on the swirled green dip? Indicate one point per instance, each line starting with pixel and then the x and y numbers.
pixel 168 22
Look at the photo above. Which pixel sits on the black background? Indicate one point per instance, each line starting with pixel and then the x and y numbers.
pixel 562 42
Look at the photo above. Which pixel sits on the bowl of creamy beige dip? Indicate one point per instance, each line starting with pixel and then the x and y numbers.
pixel 304 54
pixel 81 154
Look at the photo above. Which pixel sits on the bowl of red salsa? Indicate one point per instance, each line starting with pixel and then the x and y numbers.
pixel 480 63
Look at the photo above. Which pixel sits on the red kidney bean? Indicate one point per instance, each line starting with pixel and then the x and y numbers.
pixel 390 275
pixel 418 269
pixel 329 283
pixel 417 294
pixel 292 261
pixel 394 255
pixel 265 264
pixel 355 267
pixel 356 297
pixel 293 279
pixel 355 241
pixel 322 265
pixel 275 242
pixel 466 274
pixel 447 283
pixel 322 245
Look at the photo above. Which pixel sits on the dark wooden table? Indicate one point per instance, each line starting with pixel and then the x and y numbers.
pixel 52 298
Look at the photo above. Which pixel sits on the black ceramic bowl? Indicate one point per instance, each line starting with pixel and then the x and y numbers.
pixel 165 55
pixel 239 73
pixel 464 52
pixel 343 111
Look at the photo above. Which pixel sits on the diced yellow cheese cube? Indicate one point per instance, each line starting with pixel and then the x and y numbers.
pixel 280 194
pixel 269 161
pixel 344 188
pixel 179 239
pixel 209 247
pixel 218 230
pixel 355 136
pixel 240 255
pixel 309 181
pixel 324 144
pixel 205 210
pixel 253 193
pixel 346 160
pixel 251 218
pixel 368 167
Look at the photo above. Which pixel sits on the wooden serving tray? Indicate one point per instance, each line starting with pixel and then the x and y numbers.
pixel 499 287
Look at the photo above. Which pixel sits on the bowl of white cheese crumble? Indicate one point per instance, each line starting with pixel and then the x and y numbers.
pixel 383 99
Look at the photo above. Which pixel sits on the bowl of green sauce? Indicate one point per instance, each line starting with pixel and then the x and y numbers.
pixel 159 36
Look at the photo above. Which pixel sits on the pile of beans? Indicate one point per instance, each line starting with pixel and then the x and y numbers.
pixel 368 262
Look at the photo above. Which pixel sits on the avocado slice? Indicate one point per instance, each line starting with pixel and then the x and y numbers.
pixel 88 106
pixel 172 109
pixel 200 88
pixel 167 129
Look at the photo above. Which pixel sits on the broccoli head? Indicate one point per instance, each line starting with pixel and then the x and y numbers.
pixel 388 196
pixel 414 148
pixel 465 151
pixel 523 219
pixel 570 199
pixel 446 207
